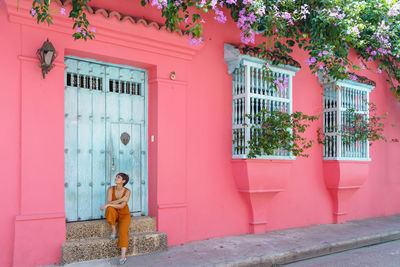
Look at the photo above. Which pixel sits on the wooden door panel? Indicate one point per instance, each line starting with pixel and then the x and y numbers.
pixel 103 101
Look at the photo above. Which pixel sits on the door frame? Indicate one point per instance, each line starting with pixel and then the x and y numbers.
pixel 145 186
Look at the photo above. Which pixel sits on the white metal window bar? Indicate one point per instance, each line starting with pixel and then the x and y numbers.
pixel 252 93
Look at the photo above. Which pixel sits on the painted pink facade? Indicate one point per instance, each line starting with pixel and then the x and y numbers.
pixel 193 192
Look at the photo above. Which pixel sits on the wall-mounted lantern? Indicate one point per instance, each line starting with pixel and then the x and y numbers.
pixel 172 75
pixel 47 53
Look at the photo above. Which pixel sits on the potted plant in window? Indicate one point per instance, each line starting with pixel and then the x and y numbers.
pixel 274 137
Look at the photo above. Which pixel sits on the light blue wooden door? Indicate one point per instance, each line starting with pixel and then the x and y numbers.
pixel 126 157
pixel 105 133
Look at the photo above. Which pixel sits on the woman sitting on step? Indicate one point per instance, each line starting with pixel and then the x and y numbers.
pixel 117 210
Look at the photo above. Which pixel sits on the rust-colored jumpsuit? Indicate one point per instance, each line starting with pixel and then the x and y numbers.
pixel 123 217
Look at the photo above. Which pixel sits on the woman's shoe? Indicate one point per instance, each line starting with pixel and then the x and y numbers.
pixel 122 261
pixel 113 236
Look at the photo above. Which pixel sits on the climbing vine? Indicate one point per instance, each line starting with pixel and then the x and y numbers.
pixel 359 127
pixel 276 130
pixel 325 29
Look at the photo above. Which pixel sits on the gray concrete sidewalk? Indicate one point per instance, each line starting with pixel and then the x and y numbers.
pixel 272 248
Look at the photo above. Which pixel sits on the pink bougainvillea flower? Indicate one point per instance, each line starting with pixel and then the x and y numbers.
pixel 93 29
pixel 279 85
pixel 78 29
pixel 62 11
pixel 286 15
pixel 220 17
pixel 248 39
pixel 245 2
pixel 33 12
pixel 261 11
pixel 196 42
pixel 311 60
pixel 353 77
pixel 285 81
pixel 156 3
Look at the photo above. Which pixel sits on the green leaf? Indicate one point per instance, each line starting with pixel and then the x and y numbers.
pixel 290 43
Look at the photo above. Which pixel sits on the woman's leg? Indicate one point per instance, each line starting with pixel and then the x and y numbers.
pixel 123 252
pixel 112 217
pixel 123 241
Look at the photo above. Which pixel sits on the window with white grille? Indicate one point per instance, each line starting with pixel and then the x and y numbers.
pixel 338 97
pixel 252 93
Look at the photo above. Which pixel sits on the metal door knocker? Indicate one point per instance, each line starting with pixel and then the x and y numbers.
pixel 125 138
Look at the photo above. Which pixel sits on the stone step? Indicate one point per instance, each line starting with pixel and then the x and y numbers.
pixel 101 229
pixel 101 248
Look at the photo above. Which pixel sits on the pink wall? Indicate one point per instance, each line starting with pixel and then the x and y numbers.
pixel 10 166
pixel 191 187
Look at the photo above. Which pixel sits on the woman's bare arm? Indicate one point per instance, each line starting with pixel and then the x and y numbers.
pixel 109 194
pixel 117 206
pixel 122 201
pixel 116 201
pixel 109 198
pixel 119 203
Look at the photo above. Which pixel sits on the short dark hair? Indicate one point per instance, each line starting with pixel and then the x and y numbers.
pixel 124 177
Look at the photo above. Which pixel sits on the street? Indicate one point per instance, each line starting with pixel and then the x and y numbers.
pixel 383 255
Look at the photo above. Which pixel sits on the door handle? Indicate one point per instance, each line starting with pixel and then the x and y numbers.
pixel 112 163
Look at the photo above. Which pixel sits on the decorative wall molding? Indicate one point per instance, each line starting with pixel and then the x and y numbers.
pixel 167 81
pixel 36 60
pixel 176 45
pixel 172 205
pixel 40 216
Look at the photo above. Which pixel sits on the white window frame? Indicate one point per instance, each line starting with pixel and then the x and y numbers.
pixel 249 62
pixel 336 150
